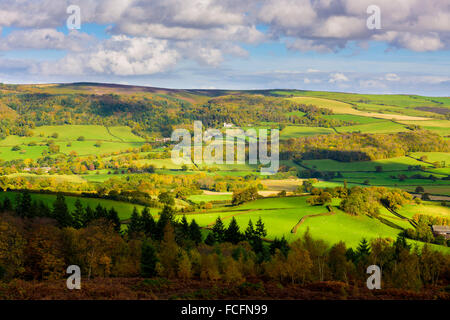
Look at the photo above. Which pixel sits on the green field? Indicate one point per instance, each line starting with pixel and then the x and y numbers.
pixel 426 208
pixel 298 131
pixel 280 215
pixel 374 127
pixel 112 139
pixel 399 164
pixel 197 198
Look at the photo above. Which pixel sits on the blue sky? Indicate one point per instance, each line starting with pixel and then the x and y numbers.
pixel 289 44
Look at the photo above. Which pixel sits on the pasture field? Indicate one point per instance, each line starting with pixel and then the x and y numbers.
pixel 284 184
pixel 381 100
pixel 374 127
pixel 299 131
pixel 398 164
pixel 72 132
pixel 347 108
pixel 84 148
pixel 441 127
pixel 280 215
pixel 354 118
pixel 433 156
pixel 198 198
pixel 112 139
pixel 124 209
pixel 426 207
pixel 124 133
pixel 25 152
pixel 70 178
pixel 161 163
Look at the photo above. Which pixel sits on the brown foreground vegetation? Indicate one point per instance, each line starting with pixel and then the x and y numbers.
pixel 159 288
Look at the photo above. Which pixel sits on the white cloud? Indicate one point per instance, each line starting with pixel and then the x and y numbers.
pixel 392 77
pixel 46 39
pixel 337 77
pixel 120 55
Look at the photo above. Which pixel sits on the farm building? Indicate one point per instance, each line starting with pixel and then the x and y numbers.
pixel 441 231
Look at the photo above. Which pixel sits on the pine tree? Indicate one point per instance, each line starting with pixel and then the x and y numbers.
pixel 100 212
pixel 89 216
pixel 281 245
pixel 400 244
pixel 232 234
pixel 250 231
pixel 149 260
pixel 113 216
pixel 43 210
pixel 165 218
pixel 260 229
pixel 210 239
pixel 218 231
pixel 78 215
pixel 61 212
pixel 184 228
pixel 135 225
pixel 363 249
pixel 7 205
pixel 195 233
pixel 24 205
pixel 148 223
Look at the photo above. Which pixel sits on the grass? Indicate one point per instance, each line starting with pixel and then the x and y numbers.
pixel 398 163
pixel 280 215
pixel 56 177
pixel 381 110
pixel 112 139
pixel 298 131
pixel 374 127
pixel 72 132
pixel 26 152
pixel 427 208
pixel 433 156
pixel 441 127
pixel 124 133
pixel 197 198
pixel 354 118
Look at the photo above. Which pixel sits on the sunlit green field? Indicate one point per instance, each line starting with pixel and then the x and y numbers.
pixel 398 163
pixel 298 131
pixel 280 215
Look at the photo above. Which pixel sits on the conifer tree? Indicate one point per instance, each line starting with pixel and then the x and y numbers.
pixel 89 216
pixel 61 212
pixel 24 205
pixel 210 239
pixel 149 259
pixel 184 228
pixel 250 231
pixel 135 225
pixel 218 231
pixel 165 218
pixel 7 205
pixel 232 234
pixel 363 249
pixel 195 233
pixel 148 223
pixel 260 229
pixel 113 216
pixel 78 215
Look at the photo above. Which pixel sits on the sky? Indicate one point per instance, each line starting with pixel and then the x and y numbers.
pixel 365 46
